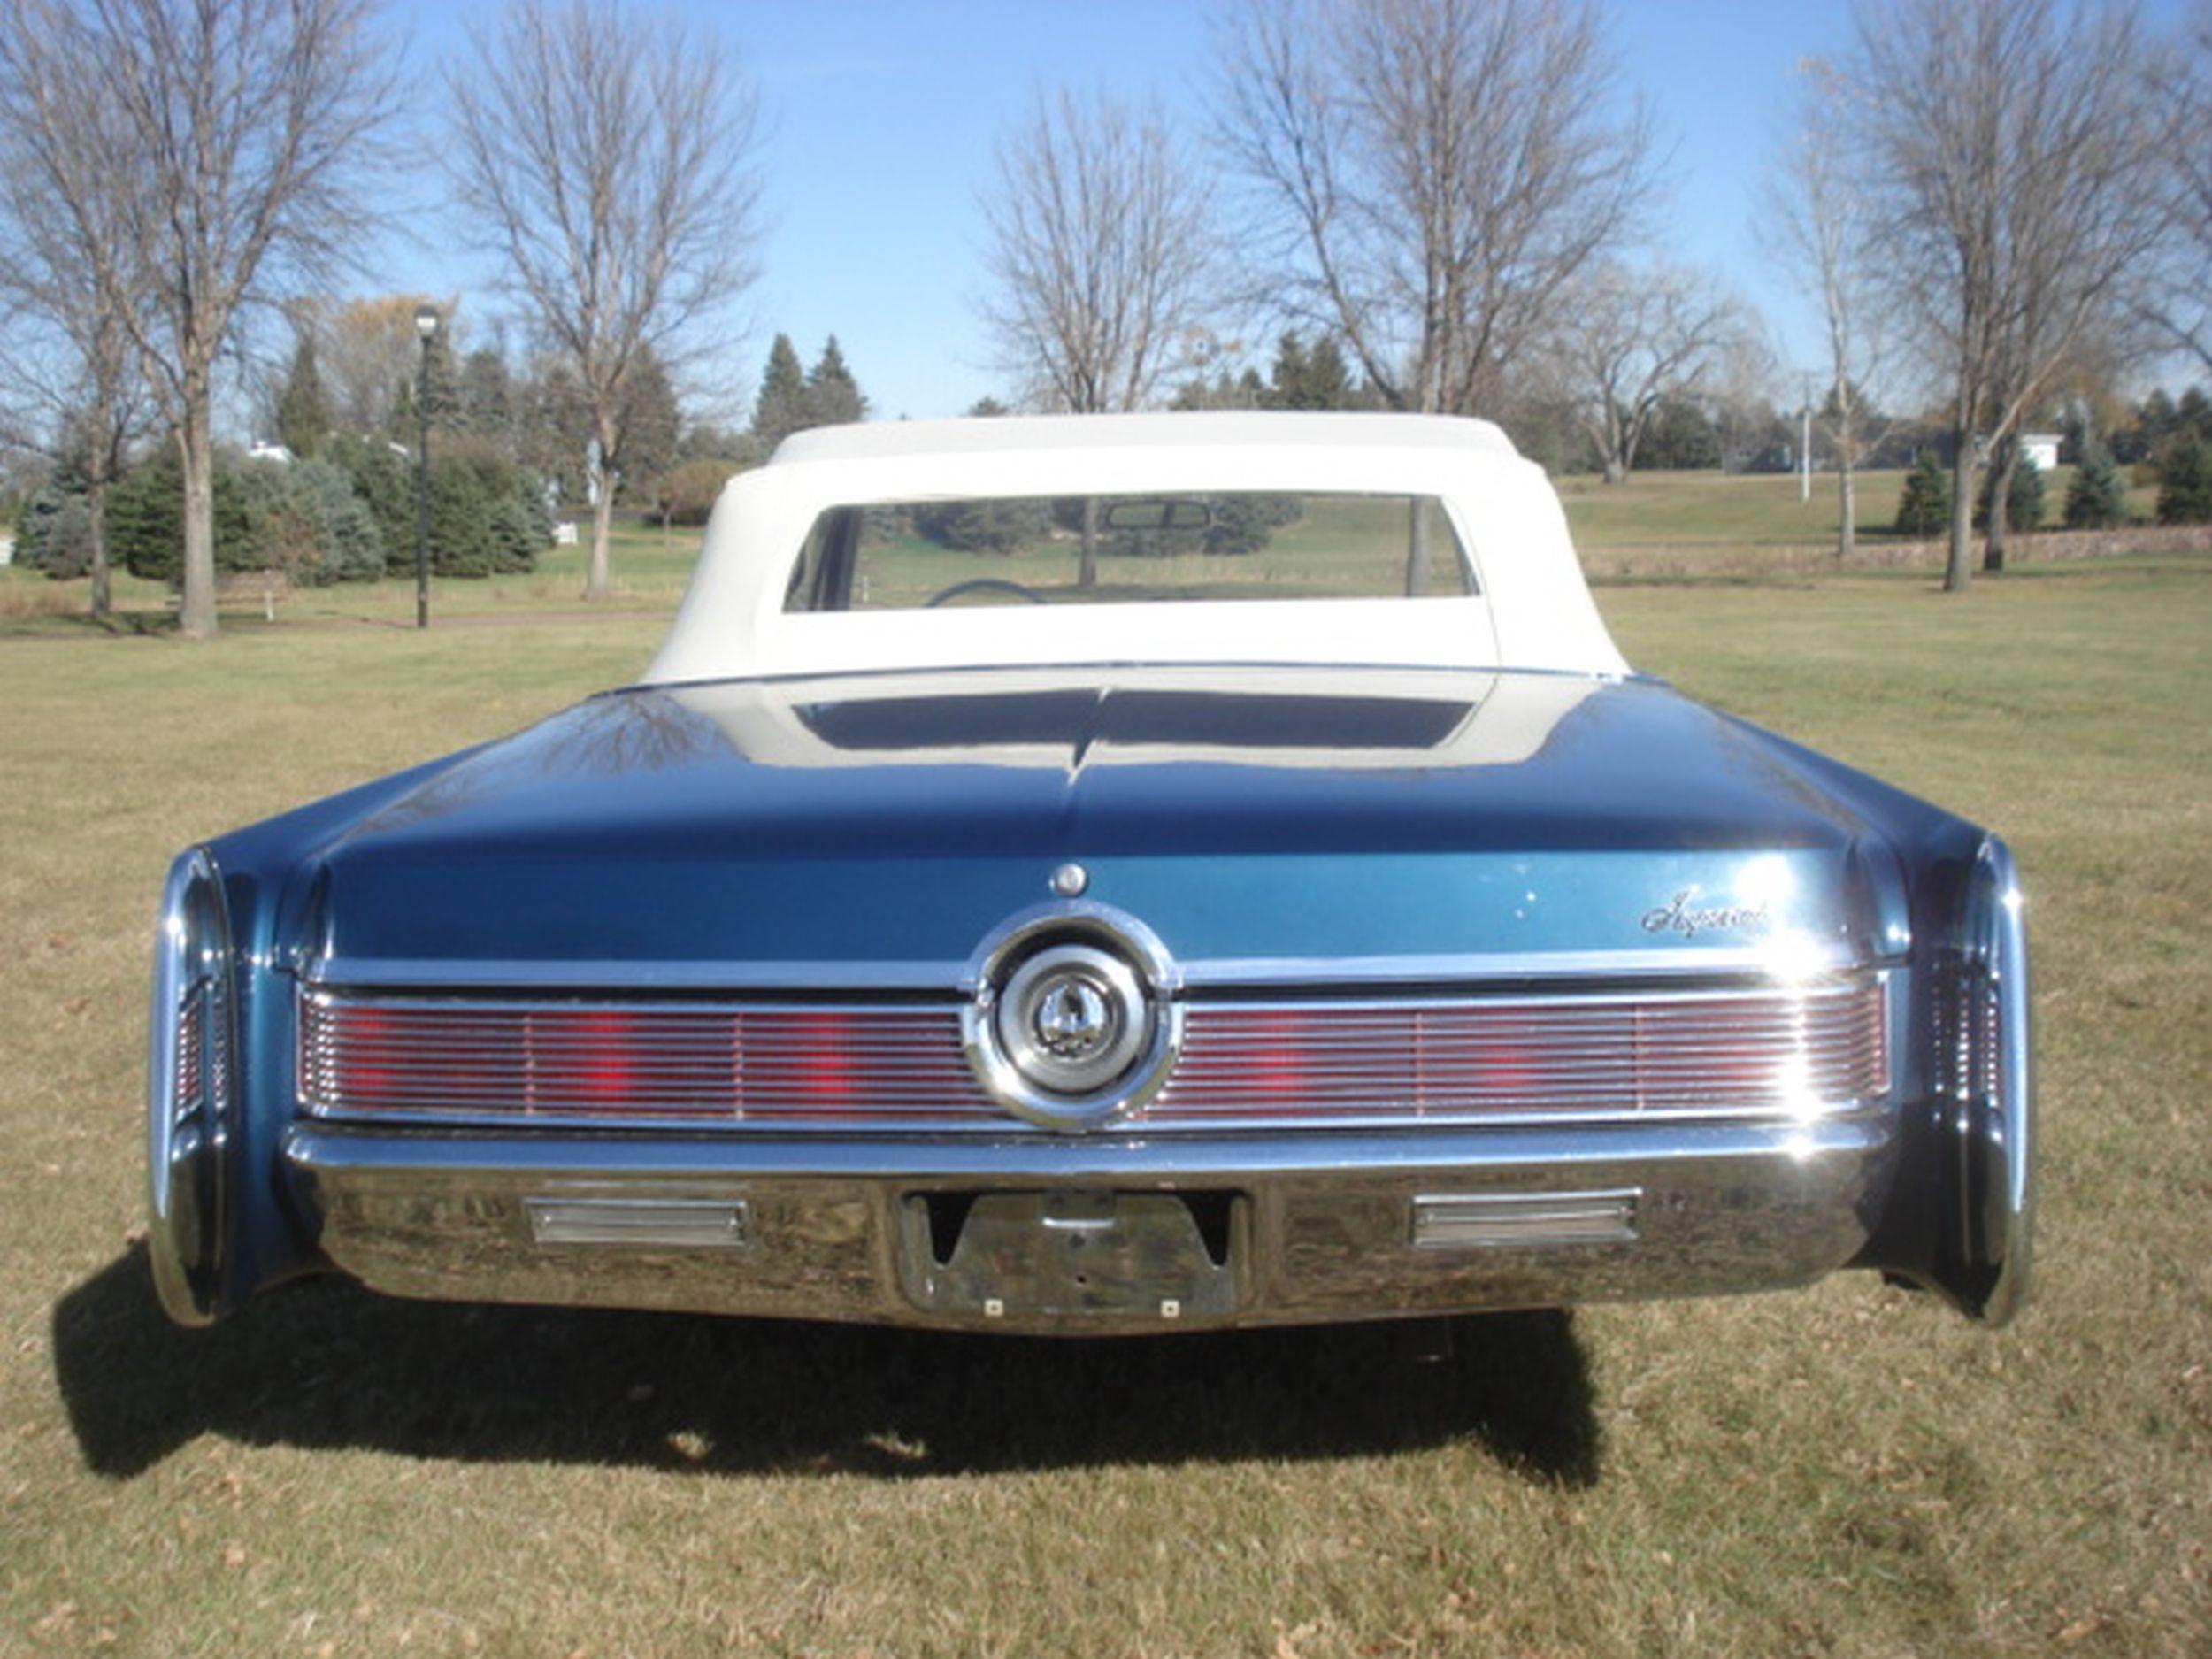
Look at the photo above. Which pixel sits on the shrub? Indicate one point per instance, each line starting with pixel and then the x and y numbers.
pixel 2096 500
pixel 2184 485
pixel 1924 509
pixel 983 527
pixel 687 491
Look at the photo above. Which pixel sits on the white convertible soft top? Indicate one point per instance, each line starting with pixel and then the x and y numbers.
pixel 1533 609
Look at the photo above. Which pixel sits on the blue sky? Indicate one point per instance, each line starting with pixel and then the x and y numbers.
pixel 883 116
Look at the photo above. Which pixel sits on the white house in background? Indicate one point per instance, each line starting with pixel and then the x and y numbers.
pixel 2040 448
pixel 262 449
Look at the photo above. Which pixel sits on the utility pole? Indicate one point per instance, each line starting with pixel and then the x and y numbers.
pixel 425 326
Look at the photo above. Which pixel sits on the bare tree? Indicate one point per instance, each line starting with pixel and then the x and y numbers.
pixel 367 348
pixel 76 396
pixel 607 157
pixel 1100 254
pixel 1624 341
pixel 211 153
pixel 1429 175
pixel 1823 215
pixel 2180 304
pixel 1099 250
pixel 2010 145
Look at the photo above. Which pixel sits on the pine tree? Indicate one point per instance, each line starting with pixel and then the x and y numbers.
pixel 487 399
pixel 2096 500
pixel 651 424
pixel 1924 509
pixel 1314 377
pixel 303 414
pixel 1288 378
pixel 2184 485
pixel 780 408
pixel 833 396
pixel 2024 501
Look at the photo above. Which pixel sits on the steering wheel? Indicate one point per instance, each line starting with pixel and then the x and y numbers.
pixel 983 585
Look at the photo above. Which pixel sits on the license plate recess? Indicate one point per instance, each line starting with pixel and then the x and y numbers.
pixel 1161 1256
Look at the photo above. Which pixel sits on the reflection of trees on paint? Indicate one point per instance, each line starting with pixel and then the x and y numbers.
pixel 609 736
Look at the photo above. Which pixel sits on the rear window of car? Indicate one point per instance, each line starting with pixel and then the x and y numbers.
pixel 1122 549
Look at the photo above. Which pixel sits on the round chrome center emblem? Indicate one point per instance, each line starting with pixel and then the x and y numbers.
pixel 1070 1020
pixel 1067 1028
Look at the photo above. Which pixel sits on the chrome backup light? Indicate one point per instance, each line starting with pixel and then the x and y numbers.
pixel 1072 1023
pixel 190 1080
pixel 1448 1221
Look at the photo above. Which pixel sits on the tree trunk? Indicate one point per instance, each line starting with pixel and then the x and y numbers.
pixel 95 505
pixel 1616 470
pixel 1087 574
pixel 196 453
pixel 2001 509
pixel 1417 549
pixel 1847 505
pixel 1958 569
pixel 602 523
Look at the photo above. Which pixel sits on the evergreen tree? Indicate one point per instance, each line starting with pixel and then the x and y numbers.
pixel 1315 377
pixel 780 408
pixel 433 373
pixel 985 407
pixel 983 527
pixel 651 425
pixel 2194 413
pixel 146 518
pixel 1224 391
pixel 54 533
pixel 441 380
pixel 487 410
pixel 1681 437
pixel 2096 500
pixel 553 429
pixel 302 415
pixel 833 396
pixel 1288 376
pixel 347 547
pixel 1924 509
pixel 2024 509
pixel 2184 485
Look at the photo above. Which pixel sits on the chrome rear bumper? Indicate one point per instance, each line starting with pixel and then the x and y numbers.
pixel 1071 1237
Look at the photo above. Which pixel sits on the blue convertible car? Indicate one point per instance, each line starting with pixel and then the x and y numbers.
pixel 1100 875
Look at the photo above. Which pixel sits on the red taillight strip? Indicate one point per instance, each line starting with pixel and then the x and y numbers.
pixel 1776 1052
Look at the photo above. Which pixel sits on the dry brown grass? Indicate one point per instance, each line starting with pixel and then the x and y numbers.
pixel 1847 1471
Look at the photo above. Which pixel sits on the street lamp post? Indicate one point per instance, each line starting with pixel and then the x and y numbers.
pixel 425 326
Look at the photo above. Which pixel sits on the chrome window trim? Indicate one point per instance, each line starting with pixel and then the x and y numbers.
pixel 587 976
pixel 1754 964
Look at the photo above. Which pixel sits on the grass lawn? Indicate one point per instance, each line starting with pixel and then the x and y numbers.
pixel 1698 520
pixel 1850 1471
